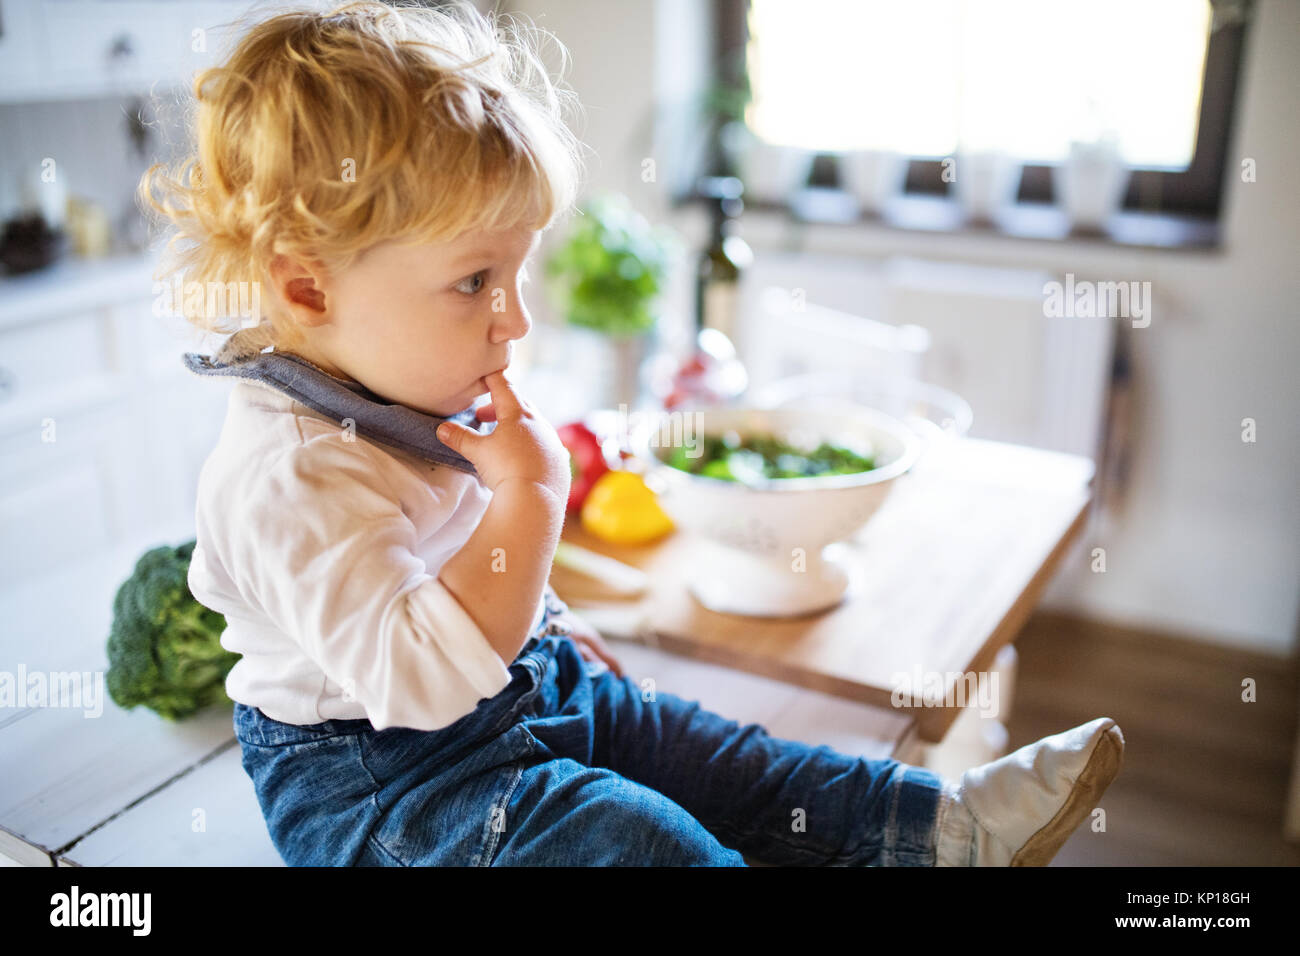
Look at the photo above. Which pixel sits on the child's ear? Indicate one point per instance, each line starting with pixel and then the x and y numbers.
pixel 299 287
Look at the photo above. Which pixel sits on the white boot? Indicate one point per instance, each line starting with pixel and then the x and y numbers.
pixel 1020 809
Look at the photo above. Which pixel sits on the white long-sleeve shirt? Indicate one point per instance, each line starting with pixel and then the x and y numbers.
pixel 322 550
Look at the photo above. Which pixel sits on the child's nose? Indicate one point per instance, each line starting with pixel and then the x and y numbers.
pixel 514 323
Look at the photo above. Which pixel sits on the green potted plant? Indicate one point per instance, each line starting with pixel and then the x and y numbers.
pixel 607 277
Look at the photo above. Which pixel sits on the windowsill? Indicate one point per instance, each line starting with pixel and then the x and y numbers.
pixel 1033 221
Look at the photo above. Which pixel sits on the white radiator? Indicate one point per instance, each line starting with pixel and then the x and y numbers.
pixel 1031 378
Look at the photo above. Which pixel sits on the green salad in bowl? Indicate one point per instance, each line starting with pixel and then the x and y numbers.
pixel 765 492
pixel 759 457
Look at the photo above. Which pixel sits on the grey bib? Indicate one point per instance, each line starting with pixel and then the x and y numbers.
pixel 375 419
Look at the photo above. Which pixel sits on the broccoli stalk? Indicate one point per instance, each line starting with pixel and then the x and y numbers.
pixel 164 649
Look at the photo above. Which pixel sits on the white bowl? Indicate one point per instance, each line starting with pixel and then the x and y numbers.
pixel 766 548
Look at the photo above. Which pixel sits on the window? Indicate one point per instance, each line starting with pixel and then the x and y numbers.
pixel 929 78
pixel 1023 76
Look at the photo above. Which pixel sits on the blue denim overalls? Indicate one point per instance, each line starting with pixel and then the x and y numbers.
pixel 569 765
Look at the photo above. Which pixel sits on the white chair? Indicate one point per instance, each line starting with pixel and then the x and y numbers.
pixel 808 353
pixel 786 335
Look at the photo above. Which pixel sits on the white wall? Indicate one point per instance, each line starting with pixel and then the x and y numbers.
pixel 1209 544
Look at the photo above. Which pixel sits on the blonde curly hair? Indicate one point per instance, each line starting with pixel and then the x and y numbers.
pixel 325 133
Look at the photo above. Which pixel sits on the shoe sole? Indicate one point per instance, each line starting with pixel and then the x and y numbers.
pixel 1098 773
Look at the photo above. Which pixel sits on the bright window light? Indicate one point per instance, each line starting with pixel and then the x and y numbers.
pixel 1026 77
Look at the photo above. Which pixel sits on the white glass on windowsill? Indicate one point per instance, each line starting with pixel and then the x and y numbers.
pixel 771 172
pixel 986 182
pixel 1090 184
pixel 873 177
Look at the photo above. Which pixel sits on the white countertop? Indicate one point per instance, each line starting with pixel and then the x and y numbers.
pixel 72 285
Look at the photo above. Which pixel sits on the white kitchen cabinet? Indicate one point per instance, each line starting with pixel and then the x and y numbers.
pixel 60 500
pixel 20 53
pixel 69 49
pixel 80 352
pixel 102 430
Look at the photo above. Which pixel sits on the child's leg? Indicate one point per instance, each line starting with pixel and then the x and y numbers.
pixel 777 801
pixel 562 813
pixel 780 801
pixel 784 802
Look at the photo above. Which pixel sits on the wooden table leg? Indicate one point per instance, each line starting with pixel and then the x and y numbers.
pixel 975 738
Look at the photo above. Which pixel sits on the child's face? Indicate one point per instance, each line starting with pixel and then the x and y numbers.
pixel 421 325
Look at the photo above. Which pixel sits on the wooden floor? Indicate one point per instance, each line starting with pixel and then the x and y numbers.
pixel 1205 775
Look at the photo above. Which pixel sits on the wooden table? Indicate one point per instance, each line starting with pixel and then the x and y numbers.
pixel 100 785
pixel 119 788
pixel 954 562
pixel 951 567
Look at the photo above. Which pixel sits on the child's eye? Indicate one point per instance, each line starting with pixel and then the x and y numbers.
pixel 470 279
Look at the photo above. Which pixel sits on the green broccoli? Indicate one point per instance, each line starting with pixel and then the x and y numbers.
pixel 164 649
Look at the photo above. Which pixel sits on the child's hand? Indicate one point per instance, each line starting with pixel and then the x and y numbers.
pixel 523 446
pixel 590 644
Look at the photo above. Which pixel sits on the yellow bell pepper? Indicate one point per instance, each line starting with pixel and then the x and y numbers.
pixel 621 509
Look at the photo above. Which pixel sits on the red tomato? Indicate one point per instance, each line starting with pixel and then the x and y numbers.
pixel 586 461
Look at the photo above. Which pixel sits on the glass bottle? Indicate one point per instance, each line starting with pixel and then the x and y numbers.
pixel 712 373
pixel 723 263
